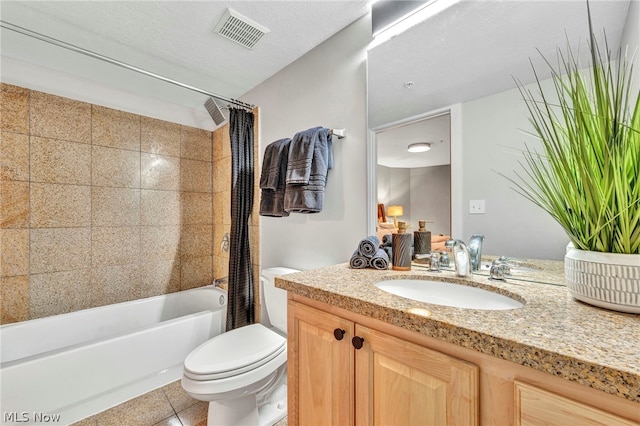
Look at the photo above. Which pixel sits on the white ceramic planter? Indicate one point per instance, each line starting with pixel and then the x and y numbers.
pixel 607 280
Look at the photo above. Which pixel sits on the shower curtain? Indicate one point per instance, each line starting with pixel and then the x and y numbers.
pixel 240 311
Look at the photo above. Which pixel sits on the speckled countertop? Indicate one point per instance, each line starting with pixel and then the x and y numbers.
pixel 552 332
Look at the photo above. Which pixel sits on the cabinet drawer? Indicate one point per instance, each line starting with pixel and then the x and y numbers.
pixel 535 406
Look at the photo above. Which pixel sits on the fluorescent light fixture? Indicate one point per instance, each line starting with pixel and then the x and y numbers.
pixel 421 13
pixel 419 147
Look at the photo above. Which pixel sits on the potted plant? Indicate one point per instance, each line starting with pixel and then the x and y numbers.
pixel 586 175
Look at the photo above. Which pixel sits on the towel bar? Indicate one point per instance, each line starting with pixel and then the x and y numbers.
pixel 340 133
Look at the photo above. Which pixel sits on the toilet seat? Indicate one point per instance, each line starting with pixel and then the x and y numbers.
pixel 233 353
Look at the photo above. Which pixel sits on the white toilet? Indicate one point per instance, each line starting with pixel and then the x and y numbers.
pixel 243 372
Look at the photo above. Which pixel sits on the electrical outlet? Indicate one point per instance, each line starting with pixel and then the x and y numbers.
pixel 476 206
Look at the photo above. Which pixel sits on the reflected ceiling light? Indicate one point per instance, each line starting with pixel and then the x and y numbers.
pixel 419 147
pixel 423 11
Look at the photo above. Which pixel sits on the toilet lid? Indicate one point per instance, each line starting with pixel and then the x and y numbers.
pixel 234 352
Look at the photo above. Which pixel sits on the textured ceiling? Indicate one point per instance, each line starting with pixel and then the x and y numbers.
pixel 173 39
pixel 392 143
pixel 470 50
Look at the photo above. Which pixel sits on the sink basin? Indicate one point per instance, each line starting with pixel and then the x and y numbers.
pixel 449 294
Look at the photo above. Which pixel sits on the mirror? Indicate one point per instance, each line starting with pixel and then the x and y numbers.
pixel 419 182
pixel 463 61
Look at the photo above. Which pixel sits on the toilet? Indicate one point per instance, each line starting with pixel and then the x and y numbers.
pixel 243 372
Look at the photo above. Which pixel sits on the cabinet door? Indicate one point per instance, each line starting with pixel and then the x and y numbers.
pixel 320 368
pixel 535 406
pixel 400 383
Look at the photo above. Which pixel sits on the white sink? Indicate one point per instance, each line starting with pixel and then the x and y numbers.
pixel 449 294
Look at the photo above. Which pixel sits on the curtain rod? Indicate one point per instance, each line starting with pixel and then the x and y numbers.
pixel 65 45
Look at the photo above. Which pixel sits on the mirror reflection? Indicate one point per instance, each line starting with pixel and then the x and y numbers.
pixel 464 59
pixel 414 175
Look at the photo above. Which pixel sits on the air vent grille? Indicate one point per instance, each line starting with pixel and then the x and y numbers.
pixel 240 29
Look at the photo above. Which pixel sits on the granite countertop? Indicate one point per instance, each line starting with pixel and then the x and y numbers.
pixel 552 332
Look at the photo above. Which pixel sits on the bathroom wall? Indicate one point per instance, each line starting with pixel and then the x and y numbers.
pixel 325 87
pixel 492 144
pixel 100 206
pixel 423 192
pixel 394 188
pixel 431 198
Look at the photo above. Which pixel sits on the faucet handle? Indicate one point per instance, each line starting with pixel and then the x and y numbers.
pixel 435 262
pixel 499 271
pixel 504 265
pixel 453 242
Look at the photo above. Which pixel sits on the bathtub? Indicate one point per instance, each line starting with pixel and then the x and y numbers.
pixel 67 367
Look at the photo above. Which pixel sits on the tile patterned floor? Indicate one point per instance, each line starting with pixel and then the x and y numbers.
pixel 167 406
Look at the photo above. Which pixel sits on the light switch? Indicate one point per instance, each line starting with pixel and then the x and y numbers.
pixel 476 206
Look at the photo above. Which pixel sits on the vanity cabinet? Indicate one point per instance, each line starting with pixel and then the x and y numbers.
pixel 403 377
pixel 342 373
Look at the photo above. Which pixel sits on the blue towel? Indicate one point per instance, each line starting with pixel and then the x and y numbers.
pixel 272 178
pixel 358 261
pixel 380 260
pixel 274 164
pixel 310 159
pixel 369 246
pixel 387 239
pixel 301 156
pixel 389 251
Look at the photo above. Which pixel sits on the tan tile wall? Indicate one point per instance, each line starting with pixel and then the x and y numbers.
pixel 99 206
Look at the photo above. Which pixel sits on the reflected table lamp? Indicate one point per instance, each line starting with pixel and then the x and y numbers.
pixel 395 211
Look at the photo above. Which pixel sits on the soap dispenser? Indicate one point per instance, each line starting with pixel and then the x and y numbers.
pixel 421 239
pixel 401 245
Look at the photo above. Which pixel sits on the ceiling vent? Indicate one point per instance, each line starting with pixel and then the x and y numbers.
pixel 240 29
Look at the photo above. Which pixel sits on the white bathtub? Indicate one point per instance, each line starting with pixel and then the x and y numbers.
pixel 67 367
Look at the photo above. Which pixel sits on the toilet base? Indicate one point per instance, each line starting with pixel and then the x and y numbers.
pixel 244 410
pixel 236 411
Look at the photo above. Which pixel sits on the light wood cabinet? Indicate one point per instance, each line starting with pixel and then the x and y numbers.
pixel 386 381
pixel 401 377
pixel 401 383
pixel 535 406
pixel 320 379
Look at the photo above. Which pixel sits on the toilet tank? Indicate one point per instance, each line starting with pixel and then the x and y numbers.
pixel 275 299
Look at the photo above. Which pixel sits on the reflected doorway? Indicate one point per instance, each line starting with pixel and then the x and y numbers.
pixel 417 181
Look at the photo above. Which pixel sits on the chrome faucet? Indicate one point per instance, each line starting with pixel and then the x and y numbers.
pixel 500 268
pixel 461 258
pixel 219 281
pixel 475 251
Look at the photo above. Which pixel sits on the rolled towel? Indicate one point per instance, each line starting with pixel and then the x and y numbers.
pixel 386 239
pixel 358 261
pixel 369 246
pixel 380 260
pixel 389 251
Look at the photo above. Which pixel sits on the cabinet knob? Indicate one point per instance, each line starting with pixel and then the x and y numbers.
pixel 357 342
pixel 338 333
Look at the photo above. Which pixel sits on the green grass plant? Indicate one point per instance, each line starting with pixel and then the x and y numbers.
pixel 586 175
